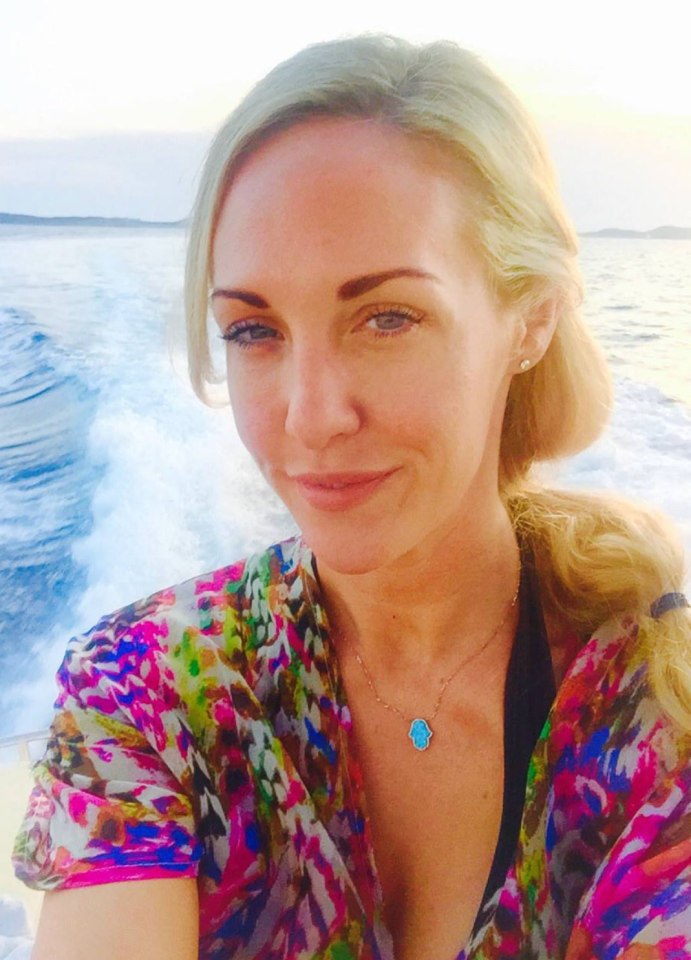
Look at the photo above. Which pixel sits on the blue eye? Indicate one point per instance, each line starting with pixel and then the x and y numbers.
pixel 387 323
pixel 247 333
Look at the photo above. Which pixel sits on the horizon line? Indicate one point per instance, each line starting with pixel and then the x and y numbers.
pixel 26 219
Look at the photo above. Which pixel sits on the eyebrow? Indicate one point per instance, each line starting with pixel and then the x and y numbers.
pixel 349 290
pixel 355 288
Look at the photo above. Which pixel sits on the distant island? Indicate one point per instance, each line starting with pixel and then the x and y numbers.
pixel 659 233
pixel 21 219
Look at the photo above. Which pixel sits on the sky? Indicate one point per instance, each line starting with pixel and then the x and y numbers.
pixel 107 109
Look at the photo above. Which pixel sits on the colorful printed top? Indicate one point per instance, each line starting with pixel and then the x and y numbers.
pixel 204 733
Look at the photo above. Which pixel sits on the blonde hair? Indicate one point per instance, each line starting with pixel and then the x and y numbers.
pixel 596 557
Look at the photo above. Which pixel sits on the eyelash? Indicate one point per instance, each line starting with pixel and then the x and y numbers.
pixel 405 312
pixel 234 333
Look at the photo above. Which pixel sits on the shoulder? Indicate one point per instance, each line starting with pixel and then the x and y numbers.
pixel 187 639
pixel 620 810
pixel 244 590
pixel 607 728
pixel 608 750
pixel 155 704
pixel 608 806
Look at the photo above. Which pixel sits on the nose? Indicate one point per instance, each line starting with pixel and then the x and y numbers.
pixel 321 401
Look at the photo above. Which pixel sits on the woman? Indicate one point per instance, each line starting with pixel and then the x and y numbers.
pixel 323 751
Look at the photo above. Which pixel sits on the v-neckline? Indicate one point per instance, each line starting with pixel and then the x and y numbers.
pixel 530 620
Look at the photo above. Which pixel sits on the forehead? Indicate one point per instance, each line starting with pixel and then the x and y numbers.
pixel 357 191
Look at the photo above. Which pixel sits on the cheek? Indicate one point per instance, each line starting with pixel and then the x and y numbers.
pixel 256 420
pixel 458 403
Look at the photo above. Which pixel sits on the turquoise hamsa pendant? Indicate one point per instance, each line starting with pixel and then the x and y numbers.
pixel 420 733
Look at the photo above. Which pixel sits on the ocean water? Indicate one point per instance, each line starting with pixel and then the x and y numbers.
pixel 115 481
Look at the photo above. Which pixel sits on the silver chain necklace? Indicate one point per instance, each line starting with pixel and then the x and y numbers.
pixel 419 730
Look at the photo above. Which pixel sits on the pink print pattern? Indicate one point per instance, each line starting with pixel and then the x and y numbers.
pixel 200 733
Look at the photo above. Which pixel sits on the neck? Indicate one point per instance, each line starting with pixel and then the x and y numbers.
pixel 435 603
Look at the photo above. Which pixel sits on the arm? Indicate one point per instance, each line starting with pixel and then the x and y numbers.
pixel 135 920
pixel 109 831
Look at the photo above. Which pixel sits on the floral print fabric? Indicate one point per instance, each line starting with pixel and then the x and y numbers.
pixel 204 733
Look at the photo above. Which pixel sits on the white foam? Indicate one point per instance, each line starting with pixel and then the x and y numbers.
pixel 644 454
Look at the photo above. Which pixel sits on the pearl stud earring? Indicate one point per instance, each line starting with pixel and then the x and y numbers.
pixel 524 365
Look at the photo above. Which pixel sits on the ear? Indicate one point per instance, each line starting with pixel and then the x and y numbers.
pixel 534 333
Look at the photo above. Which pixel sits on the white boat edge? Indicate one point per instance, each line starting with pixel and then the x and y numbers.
pixel 26 746
pixel 18 753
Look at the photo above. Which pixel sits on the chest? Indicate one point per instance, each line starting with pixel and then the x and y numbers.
pixel 434 816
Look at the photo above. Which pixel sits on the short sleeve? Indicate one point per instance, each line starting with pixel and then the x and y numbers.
pixel 110 801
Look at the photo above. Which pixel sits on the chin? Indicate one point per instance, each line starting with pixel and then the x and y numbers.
pixel 351 553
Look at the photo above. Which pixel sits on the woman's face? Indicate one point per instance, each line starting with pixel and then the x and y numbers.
pixel 368 363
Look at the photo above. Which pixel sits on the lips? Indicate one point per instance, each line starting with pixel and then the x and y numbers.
pixel 337 491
